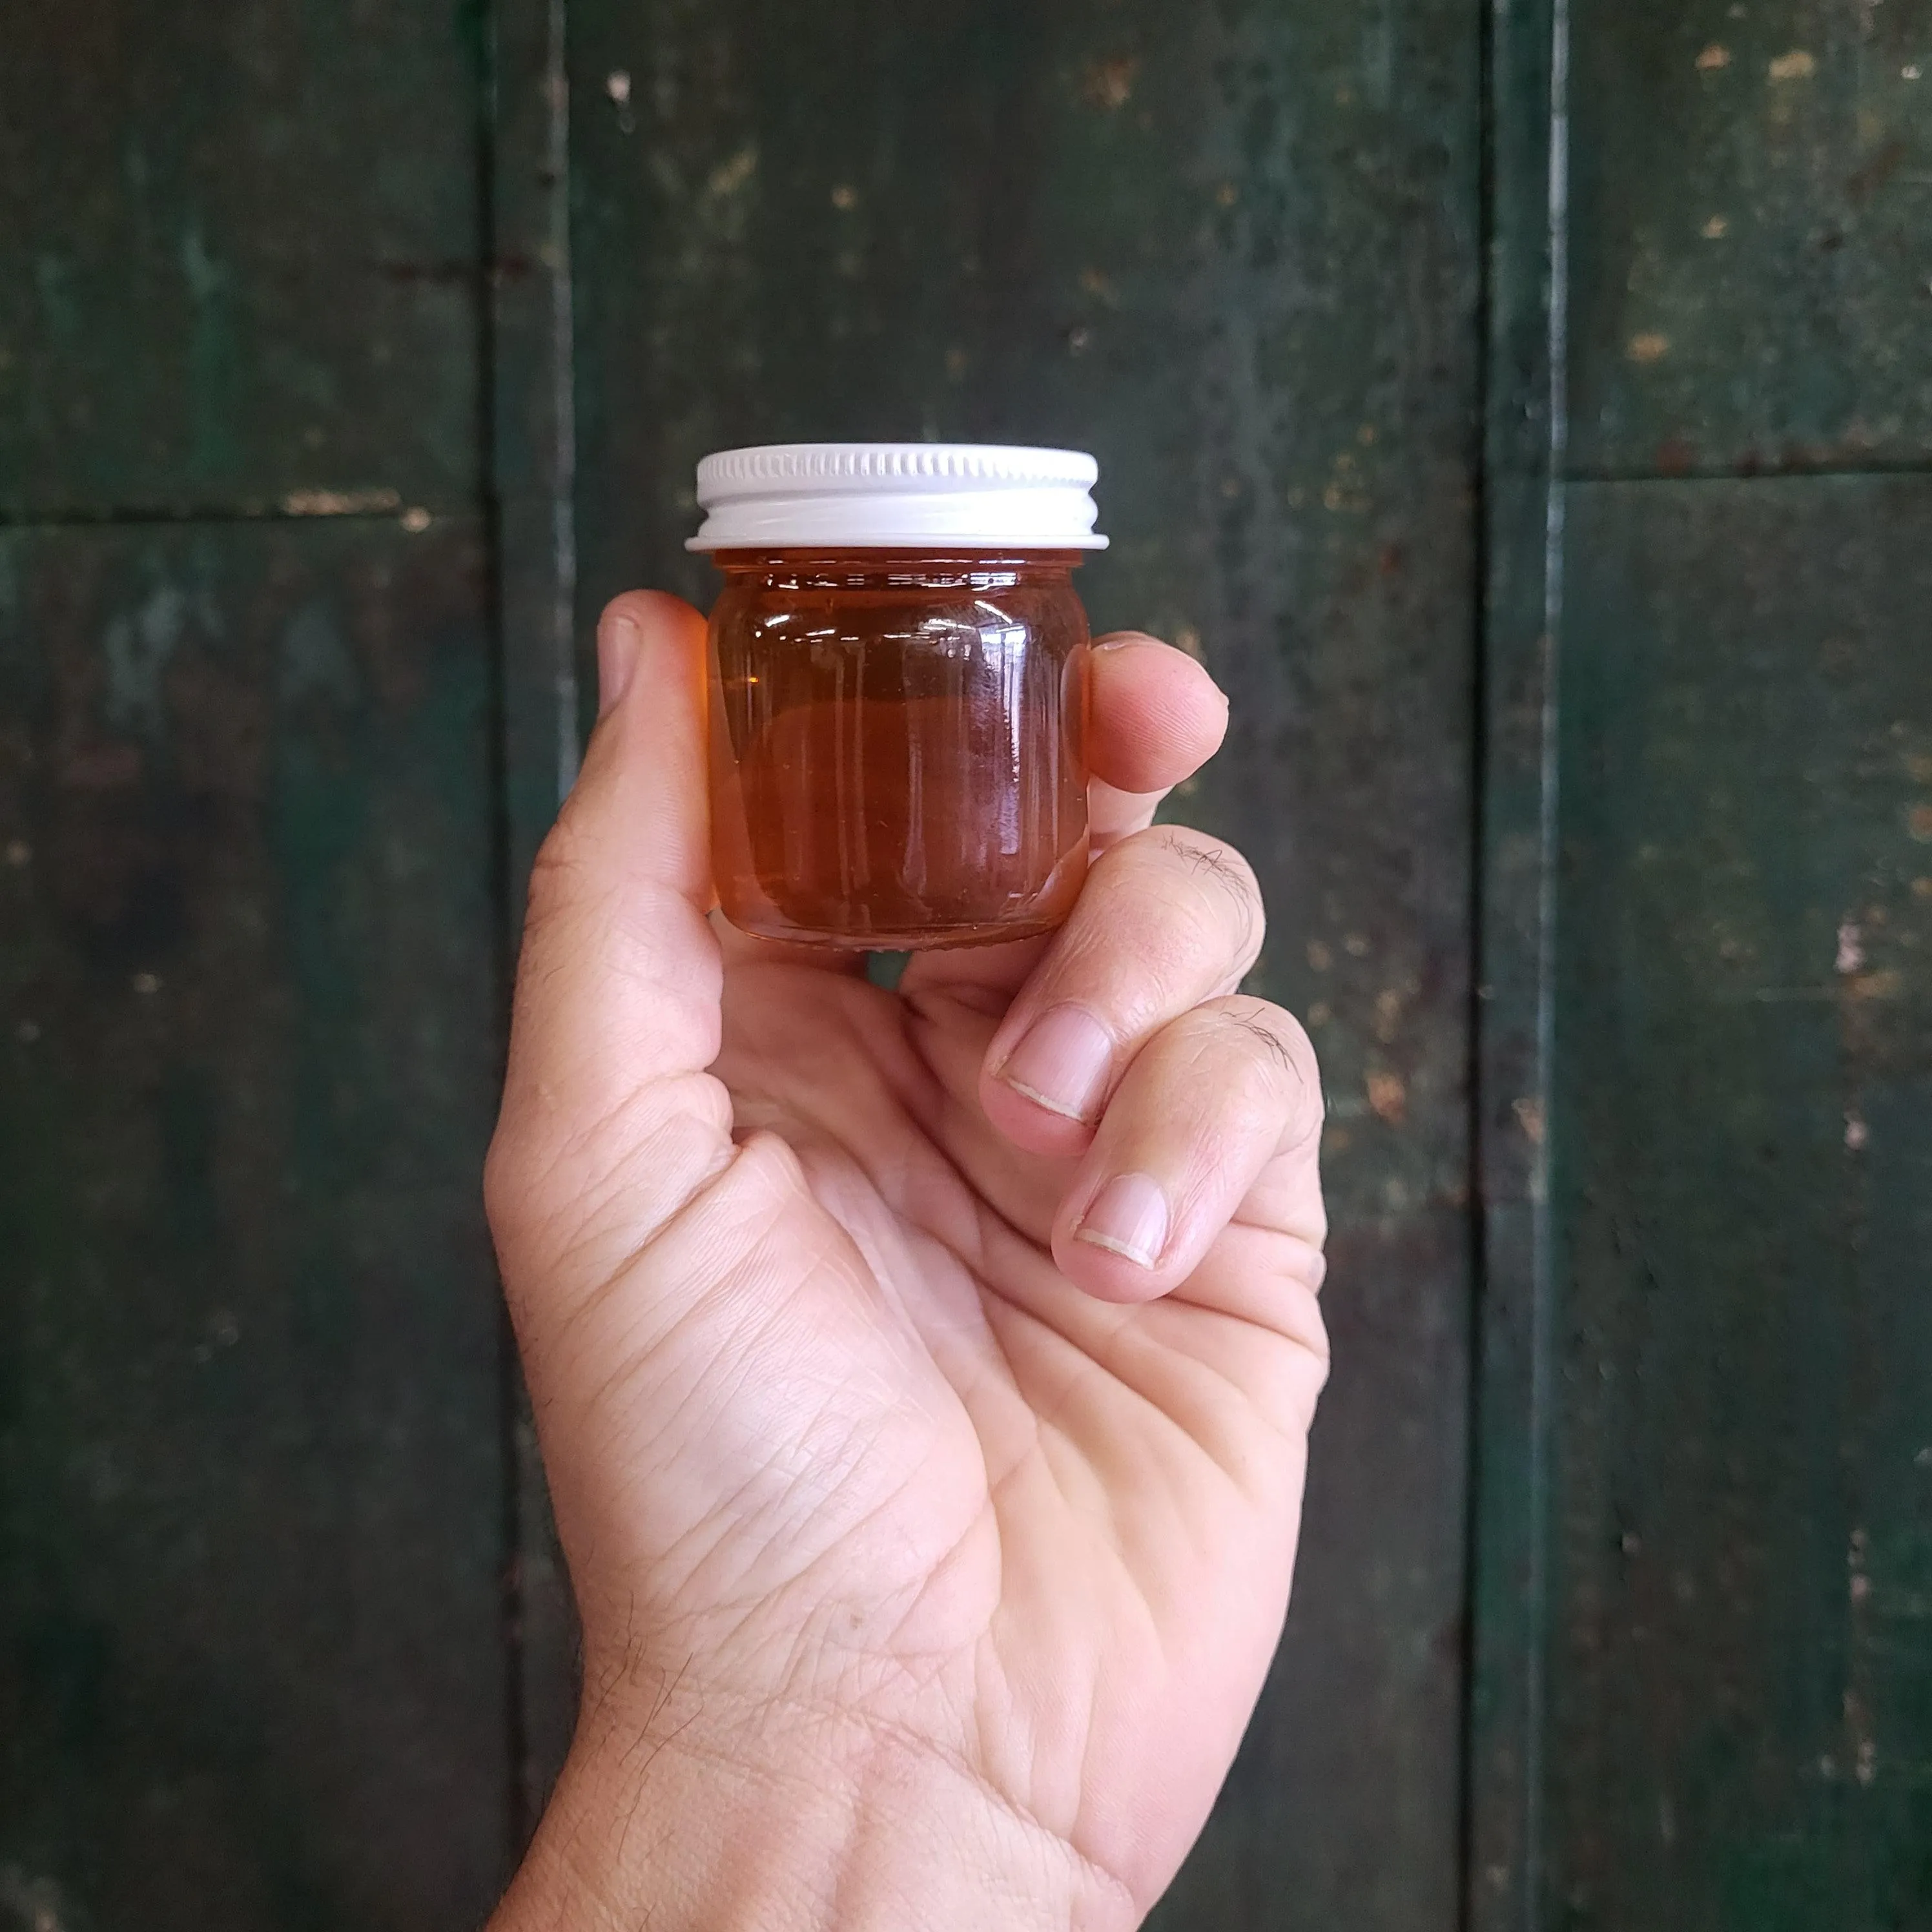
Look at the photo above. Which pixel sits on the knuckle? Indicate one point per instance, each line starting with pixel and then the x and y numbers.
pixel 558 860
pixel 1282 1043
pixel 558 874
pixel 1214 871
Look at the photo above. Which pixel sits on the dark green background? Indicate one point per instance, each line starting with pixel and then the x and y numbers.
pixel 1581 651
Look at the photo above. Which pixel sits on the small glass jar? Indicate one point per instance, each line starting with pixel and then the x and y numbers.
pixel 899 691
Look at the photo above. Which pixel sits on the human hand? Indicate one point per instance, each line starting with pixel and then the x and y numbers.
pixel 928 1460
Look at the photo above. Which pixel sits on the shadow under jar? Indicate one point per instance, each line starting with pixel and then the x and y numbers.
pixel 898 725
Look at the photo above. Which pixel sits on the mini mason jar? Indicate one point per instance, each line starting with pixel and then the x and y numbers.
pixel 899 691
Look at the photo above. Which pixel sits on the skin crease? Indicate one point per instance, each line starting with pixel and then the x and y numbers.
pixel 931 1556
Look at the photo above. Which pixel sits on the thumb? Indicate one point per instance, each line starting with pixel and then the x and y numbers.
pixel 609 1121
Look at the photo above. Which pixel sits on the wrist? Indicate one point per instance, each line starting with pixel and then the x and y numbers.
pixel 668 1816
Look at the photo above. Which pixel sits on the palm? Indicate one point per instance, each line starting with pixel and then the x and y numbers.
pixel 991 1490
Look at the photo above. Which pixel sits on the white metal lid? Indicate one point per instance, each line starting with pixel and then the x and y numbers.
pixel 874 496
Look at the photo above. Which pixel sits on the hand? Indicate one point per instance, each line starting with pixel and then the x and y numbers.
pixel 923 1378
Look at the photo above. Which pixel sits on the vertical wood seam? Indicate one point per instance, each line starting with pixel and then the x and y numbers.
pixel 1517 778
pixel 531 484
pixel 1542 1283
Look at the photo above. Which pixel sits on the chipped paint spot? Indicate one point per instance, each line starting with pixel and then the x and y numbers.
pixel 341 503
pixel 1914 72
pixel 34 1903
pixel 1857 1134
pixel 1851 949
pixel 1796 65
pixel 1714 59
pixel 204 276
pixel 617 85
pixel 1356 946
pixel 1388 1097
pixel 314 658
pixel 1528 1113
pixel 1918 822
pixel 731 177
pixel 1227 194
pixel 1110 83
pixel 146 984
pixel 1388 1014
pixel 1716 229
pixel 1921 888
pixel 1649 346
pixel 1319 957
pixel 137 647
pixel 1887 985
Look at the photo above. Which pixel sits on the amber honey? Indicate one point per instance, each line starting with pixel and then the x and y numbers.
pixel 897 752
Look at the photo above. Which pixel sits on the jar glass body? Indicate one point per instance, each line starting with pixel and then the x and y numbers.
pixel 898 746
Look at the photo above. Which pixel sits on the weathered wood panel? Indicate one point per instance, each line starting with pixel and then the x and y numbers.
pixel 251 1662
pixel 1234 250
pixel 1751 195
pixel 1740 1710
pixel 240 243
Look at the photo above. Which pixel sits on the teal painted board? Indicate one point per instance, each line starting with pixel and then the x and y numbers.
pixel 1234 250
pixel 251 1479
pixel 1750 197
pixel 1740 1643
pixel 240 249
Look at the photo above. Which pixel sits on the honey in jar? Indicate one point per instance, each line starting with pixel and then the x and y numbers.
pixel 899 691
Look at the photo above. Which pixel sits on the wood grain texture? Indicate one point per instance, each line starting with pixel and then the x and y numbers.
pixel 1751 195
pixel 1741 1708
pixel 251 1670
pixel 1233 249
pixel 239 242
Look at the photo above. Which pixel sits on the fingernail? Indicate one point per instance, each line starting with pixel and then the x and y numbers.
pixel 1062 1063
pixel 1128 1217
pixel 617 646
